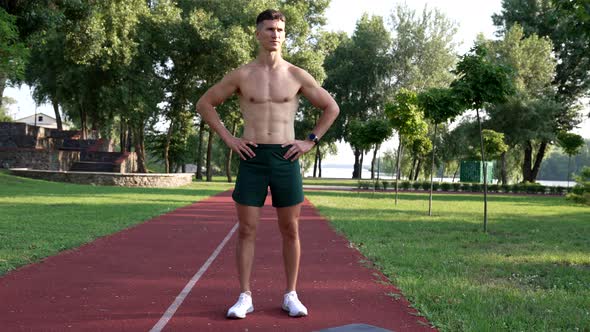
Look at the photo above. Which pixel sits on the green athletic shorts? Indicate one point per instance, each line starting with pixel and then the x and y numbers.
pixel 269 169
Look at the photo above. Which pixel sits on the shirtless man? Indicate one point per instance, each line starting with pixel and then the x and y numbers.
pixel 268 90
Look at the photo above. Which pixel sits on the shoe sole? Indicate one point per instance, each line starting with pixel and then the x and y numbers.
pixel 234 316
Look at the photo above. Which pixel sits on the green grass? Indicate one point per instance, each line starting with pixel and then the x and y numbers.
pixel 40 218
pixel 530 272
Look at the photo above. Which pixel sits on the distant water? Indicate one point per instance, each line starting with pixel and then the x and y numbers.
pixel 345 172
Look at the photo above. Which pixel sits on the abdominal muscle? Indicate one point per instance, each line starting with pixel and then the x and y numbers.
pixel 269 122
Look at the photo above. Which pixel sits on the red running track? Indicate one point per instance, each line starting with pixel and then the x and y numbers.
pixel 126 281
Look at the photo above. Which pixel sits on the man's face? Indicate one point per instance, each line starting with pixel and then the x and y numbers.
pixel 271 34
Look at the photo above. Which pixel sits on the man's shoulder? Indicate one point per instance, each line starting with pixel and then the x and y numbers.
pixel 300 74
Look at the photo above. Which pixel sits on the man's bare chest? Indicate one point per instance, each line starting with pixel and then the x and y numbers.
pixel 264 87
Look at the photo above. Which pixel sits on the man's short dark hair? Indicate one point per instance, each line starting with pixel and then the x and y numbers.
pixel 270 14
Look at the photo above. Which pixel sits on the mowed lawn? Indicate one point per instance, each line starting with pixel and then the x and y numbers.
pixel 39 218
pixel 530 272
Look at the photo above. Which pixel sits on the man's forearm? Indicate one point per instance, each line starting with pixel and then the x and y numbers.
pixel 326 120
pixel 209 114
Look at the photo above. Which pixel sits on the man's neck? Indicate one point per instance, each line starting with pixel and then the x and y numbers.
pixel 269 59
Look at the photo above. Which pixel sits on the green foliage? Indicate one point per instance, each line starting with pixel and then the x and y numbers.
pixel 440 105
pixel 581 192
pixel 530 58
pixel 4 116
pixel 480 80
pixel 493 144
pixel 405 115
pixel 566 24
pixel 405 185
pixel 12 49
pixel 555 166
pixel 570 143
pixel 423 49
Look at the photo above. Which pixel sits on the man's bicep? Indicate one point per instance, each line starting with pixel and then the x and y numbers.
pixel 317 96
pixel 218 93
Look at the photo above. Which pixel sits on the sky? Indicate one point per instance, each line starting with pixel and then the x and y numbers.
pixel 472 17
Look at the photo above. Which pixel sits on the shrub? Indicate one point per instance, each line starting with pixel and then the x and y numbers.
pixel 494 188
pixel 364 185
pixel 445 186
pixel 416 185
pixel 456 186
pixel 426 185
pixel 466 187
pixel 384 185
pixel 581 191
pixel 505 188
pixel 405 185
pixel 476 187
pixel 519 188
pixel 435 186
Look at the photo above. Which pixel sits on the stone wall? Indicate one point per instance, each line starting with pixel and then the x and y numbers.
pixel 109 179
pixel 38 159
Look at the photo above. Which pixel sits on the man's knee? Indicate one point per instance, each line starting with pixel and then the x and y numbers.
pixel 247 230
pixel 289 229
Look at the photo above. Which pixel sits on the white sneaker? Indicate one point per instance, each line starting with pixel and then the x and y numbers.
pixel 242 307
pixel 292 304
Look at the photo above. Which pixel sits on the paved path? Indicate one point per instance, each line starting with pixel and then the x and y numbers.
pixel 128 281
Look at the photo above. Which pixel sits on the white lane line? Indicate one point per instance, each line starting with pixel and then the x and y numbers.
pixel 189 286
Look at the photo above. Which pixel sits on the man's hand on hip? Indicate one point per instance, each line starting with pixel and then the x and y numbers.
pixel 241 147
pixel 298 148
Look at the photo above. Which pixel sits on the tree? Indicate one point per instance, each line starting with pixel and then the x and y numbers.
pixel 356 72
pixel 13 53
pixel 566 25
pixel 439 105
pixel 405 116
pixel 480 81
pixel 530 118
pixel 4 116
pixel 423 51
pixel 420 146
pixel 571 144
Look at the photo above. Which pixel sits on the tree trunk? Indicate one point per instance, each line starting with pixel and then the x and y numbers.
pixel 83 120
pixel 209 153
pixel 122 137
pixel 361 164
pixel 538 161
pixel 140 149
pixel 183 168
pixel 229 156
pixel 432 172
pixel 569 165
pixel 485 176
pixel 397 170
pixel 57 115
pixel 319 162
pixel 2 87
pixel 129 134
pixel 315 161
pixel 456 171
pixel 355 171
pixel 503 172
pixel 373 161
pixel 167 147
pixel 199 174
pixel 526 165
pixel 411 177
pixel 418 167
